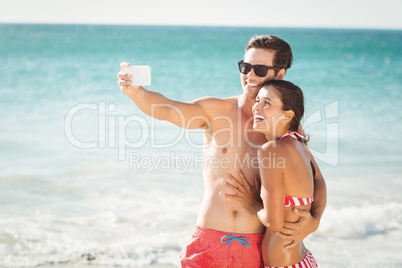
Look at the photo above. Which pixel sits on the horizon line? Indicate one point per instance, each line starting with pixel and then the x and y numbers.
pixel 207 25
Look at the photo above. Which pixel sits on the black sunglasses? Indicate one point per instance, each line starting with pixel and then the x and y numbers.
pixel 259 70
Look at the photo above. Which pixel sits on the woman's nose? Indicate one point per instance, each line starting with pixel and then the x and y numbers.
pixel 256 106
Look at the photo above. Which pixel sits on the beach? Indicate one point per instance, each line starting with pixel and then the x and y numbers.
pixel 88 180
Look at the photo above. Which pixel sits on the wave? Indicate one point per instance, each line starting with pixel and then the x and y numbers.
pixel 94 240
pixel 134 238
pixel 359 222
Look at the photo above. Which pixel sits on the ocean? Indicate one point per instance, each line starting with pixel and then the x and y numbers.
pixel 87 180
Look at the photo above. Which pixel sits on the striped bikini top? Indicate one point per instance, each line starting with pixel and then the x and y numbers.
pixel 291 201
pixel 293 135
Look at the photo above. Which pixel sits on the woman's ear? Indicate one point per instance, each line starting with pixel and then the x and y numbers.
pixel 289 114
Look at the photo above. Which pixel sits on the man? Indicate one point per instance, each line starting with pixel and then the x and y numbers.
pixel 227 234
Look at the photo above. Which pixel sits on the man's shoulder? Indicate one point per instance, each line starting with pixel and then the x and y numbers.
pixel 220 105
pixel 216 99
pixel 233 100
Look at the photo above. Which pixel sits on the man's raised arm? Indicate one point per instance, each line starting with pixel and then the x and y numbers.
pixel 195 114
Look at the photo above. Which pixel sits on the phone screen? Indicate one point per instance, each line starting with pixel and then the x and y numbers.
pixel 141 75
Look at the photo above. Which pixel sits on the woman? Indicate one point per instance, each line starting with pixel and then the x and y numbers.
pixel 286 170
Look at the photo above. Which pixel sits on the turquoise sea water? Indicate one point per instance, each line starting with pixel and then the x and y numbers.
pixel 75 193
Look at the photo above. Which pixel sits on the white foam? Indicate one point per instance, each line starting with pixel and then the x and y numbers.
pixel 358 222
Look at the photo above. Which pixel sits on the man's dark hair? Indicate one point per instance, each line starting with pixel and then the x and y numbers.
pixel 283 53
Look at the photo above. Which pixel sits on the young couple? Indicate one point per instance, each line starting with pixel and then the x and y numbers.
pixel 234 228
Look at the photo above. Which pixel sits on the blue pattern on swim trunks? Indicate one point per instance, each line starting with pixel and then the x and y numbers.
pixel 229 238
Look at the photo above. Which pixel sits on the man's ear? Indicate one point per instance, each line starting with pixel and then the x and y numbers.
pixel 280 74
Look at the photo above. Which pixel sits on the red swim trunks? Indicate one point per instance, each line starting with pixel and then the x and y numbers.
pixel 211 248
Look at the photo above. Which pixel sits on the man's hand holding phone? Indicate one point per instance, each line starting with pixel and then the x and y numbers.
pixel 132 76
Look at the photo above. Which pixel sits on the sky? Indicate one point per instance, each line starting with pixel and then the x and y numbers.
pixel 366 14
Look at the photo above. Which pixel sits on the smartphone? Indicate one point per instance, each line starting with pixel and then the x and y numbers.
pixel 141 75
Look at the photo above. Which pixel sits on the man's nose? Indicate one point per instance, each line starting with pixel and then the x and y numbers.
pixel 251 73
